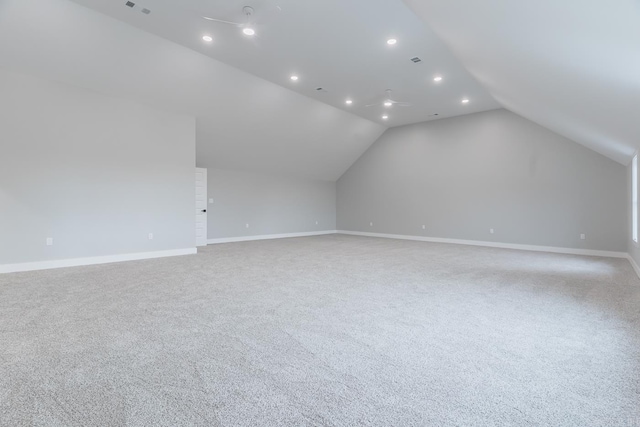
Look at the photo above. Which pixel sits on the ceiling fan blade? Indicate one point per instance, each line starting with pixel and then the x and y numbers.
pixel 222 21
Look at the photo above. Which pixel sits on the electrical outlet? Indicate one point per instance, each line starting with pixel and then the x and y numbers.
pixel 583 236
pixel 49 241
pixel 150 236
pixel 210 201
pixel 491 230
pixel 424 227
pixel 316 222
pixel 371 224
pixel 246 225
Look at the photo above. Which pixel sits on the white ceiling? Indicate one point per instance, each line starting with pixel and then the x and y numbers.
pixel 243 122
pixel 338 45
pixel 572 66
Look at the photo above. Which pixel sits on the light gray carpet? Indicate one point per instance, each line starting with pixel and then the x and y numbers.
pixel 324 331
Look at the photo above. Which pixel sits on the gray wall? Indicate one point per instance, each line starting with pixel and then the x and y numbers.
pixel 95 173
pixel 632 247
pixel 269 204
pixel 462 176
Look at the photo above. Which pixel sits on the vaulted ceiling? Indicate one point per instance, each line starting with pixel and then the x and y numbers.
pixel 339 46
pixel 572 66
pixel 243 122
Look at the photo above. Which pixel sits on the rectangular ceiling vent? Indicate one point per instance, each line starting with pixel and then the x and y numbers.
pixel 321 89
pixel 416 60
pixel 146 11
pixel 130 4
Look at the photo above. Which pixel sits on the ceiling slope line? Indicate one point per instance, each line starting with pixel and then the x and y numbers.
pixel 571 67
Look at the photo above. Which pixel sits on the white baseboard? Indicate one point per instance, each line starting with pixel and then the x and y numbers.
pixel 634 264
pixel 553 249
pixel 75 262
pixel 268 237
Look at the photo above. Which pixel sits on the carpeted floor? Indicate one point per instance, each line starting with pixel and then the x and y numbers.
pixel 324 331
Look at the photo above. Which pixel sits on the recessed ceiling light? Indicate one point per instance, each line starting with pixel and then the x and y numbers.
pixel 385 117
pixel 294 78
pixel 465 101
pixel 249 31
pixel 207 38
pixel 388 103
pixel 437 79
pixel 391 42
pixel 348 102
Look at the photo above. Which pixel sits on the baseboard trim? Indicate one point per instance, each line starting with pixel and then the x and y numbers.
pixel 635 266
pixel 552 249
pixel 268 237
pixel 76 262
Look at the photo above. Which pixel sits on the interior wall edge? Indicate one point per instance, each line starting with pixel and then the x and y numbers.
pixel 633 263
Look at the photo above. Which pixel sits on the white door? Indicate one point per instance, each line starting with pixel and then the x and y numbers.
pixel 201 207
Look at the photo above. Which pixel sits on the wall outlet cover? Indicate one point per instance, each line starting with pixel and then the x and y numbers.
pixel 49 241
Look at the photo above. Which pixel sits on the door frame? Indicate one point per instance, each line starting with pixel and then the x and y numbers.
pixel 201 208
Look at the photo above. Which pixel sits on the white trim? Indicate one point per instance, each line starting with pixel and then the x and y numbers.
pixel 634 198
pixel 552 249
pixel 203 201
pixel 75 262
pixel 635 266
pixel 269 237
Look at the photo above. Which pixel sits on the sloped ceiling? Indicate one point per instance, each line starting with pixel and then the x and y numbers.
pixel 243 122
pixel 572 66
pixel 336 45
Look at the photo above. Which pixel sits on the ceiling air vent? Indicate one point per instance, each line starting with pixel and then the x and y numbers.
pixel 145 11
pixel 416 60
pixel 130 4
pixel 321 89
